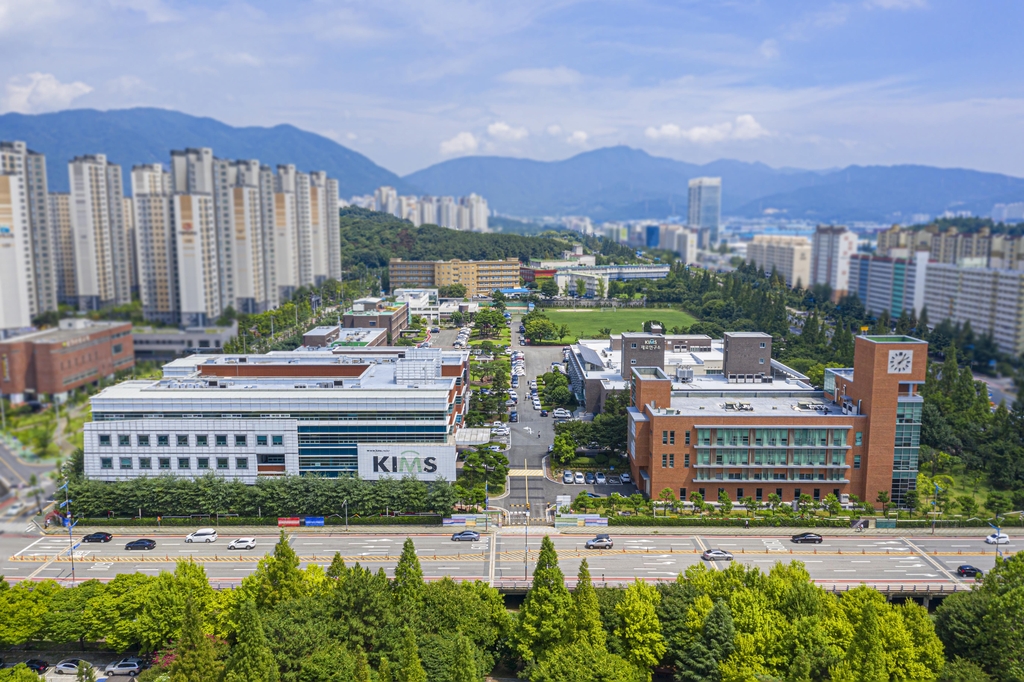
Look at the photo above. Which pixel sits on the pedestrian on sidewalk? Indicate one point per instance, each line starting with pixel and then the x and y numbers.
pixel 746 523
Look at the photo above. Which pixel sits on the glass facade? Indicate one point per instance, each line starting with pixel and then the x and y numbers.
pixel 801 454
pixel 906 448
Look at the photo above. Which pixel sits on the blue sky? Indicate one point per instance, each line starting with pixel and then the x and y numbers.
pixel 410 83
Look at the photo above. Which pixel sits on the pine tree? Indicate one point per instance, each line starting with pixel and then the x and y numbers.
pixel 545 617
pixel 195 660
pixel 640 629
pixel 408 582
pixel 279 577
pixel 586 610
pixel 251 658
pixel 384 670
pixel 412 668
pixel 337 569
pixel 465 668
pixel 866 656
pixel 362 672
pixel 86 673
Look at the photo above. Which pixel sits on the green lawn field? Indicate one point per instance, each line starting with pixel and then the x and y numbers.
pixel 584 324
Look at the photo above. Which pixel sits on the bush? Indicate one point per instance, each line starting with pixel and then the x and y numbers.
pixel 234 521
pixel 767 522
pixel 583 462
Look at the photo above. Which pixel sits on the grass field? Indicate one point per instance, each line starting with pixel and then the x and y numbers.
pixel 585 324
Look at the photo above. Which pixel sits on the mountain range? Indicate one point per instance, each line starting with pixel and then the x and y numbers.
pixel 612 183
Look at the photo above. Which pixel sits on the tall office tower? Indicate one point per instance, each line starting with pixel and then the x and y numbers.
pixel 831 248
pixel 60 217
pixel 239 235
pixel 130 245
pixel 448 213
pixel 706 206
pixel 326 240
pixel 155 244
pixel 17 159
pixel 195 237
pixel 16 273
pixel 478 213
pixel 268 218
pixel 408 209
pixel 97 221
pixel 386 200
pixel 428 211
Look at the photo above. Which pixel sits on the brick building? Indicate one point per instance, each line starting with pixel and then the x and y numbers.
pixel 751 437
pixel 54 362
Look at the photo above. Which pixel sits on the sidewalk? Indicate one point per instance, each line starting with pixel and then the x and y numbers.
pixel 783 531
pixel 245 531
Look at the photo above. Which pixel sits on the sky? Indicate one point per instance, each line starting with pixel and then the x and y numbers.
pixel 409 83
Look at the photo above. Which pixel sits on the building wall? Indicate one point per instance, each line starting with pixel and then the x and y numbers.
pixel 705 208
pixel 90 220
pixel 746 353
pixel 991 300
pixel 831 249
pixel 789 256
pixel 60 215
pixel 16 274
pixel 196 247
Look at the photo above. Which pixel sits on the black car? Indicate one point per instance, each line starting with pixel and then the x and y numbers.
pixel 141 544
pixel 807 537
pixel 36 665
pixel 968 571
pixel 470 535
pixel 98 537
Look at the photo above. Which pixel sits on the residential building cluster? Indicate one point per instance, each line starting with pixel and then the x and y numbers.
pixel 192 240
pixel 466 214
pixel 802 262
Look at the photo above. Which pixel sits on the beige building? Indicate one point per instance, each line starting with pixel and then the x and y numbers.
pixel 60 216
pixel 991 300
pixel 789 256
pixel 479 277
pixel 155 243
pixel 196 255
pixel 131 245
pixel 240 235
pixel 16 273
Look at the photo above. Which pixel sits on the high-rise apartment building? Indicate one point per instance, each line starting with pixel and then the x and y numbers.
pixel 60 217
pixel 386 200
pixel 428 211
pixel 16 272
pixel 102 275
pixel 831 248
pixel 131 245
pixel 156 244
pixel 195 236
pixel 789 256
pixel 991 300
pixel 240 235
pixel 888 284
pixel 705 208
pixel 474 219
pixel 448 213
pixel 326 242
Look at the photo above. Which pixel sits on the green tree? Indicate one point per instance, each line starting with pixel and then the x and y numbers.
pixel 587 624
pixel 362 668
pixel 563 331
pixel 581 288
pixel 466 668
pixel 548 287
pixel 640 630
pixel 278 576
pixel 883 499
pixel 865 658
pixel 697 500
pixel 408 584
pixel 968 505
pixel 195 660
pixel 544 619
pixel 85 673
pixel 384 673
pixel 251 659
pixel 564 449
pixel 998 503
pixel 19 673
pixel 912 500
pixel 599 288
pixel 411 669
pixel 714 643
pixel 831 504
pixel 963 670
pixel 724 502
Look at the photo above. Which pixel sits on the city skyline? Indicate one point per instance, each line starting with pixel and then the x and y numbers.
pixel 751 81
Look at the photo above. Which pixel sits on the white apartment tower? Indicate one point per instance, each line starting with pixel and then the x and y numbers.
pixel 240 235
pixel 285 241
pixel 195 237
pixel 102 276
pixel 386 200
pixel 326 242
pixel 478 213
pixel 42 280
pixel 156 248
pixel 428 211
pixel 789 256
pixel 831 249
pixel 60 217
pixel 448 213
pixel 131 246
pixel 16 272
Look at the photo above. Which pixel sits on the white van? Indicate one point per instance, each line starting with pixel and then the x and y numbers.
pixel 203 535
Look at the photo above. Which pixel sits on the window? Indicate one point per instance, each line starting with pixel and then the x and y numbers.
pixel 125 462
pixel 106 462
pixel 239 440
pixel 184 463
pixel 222 440
pixel 143 440
pixel 261 440
pixel 202 462
pixel 671 461
pixel 163 440
pixel 664 461
pixel 241 462
pixel 202 441
pixel 682 494
pixel 632 361
pixel 856 461
pixel 632 345
pixel 796 494
pixel 277 440
pixel 165 462
pixel 701 491
pixel 858 438
pixel 686 460
pixel 739 494
pixel 664 437
pixel 762 344
pixel 687 437
pixel 124 440
pixel 778 491
pixel 182 441
pixel 817 494
pixel 145 463
pixel 105 440
pixel 118 348
pixel 760 361
pixel 671 437
pixel 222 462
pixel 757 494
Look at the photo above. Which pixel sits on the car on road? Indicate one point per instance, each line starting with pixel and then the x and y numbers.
pixel 567 476
pixel 998 539
pixel 511 403
pixel 579 478
pixel 140 544
pixel 590 478
pixel 69 666
pixel 15 509
pixel 625 477
pixel 601 480
pixel 968 571
pixel 124 667
pixel 98 537
pixel 37 665
pixel 470 535
pixel 716 555
pixel 543 413
pixel 806 537
pixel 434 330
pixel 202 535
pixel 242 543
pixel 500 433
pixel 602 541
pixel 514 417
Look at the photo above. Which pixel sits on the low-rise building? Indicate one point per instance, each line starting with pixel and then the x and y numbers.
pixel 163 344
pixel 54 362
pixel 479 277
pixel 332 337
pixel 376 412
pixel 376 313
pixel 595 279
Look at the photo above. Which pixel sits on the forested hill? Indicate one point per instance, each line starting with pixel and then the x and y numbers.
pixel 373 238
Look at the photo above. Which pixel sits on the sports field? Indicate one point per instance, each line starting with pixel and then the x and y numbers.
pixel 586 323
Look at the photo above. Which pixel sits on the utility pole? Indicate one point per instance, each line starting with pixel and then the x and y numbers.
pixel 71 525
pixel 526 552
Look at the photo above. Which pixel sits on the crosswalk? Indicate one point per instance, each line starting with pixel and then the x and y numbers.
pixel 539 473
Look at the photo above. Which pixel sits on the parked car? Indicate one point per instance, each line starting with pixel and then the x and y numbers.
pixel 968 571
pixel 124 667
pixel 998 539
pixel 98 537
pixel 716 555
pixel 579 478
pixel 242 543
pixel 470 535
pixel 602 541
pixel 543 413
pixel 589 478
pixel 567 476
pixel 203 535
pixel 140 544
pixel 69 666
pixel 807 537
pixel 625 477
pixel 37 665
pixel 600 478
pixel 15 509
pixel 511 402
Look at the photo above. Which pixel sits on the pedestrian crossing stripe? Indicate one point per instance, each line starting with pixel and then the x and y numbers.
pixel 526 472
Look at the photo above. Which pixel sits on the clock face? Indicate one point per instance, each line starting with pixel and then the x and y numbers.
pixel 901 361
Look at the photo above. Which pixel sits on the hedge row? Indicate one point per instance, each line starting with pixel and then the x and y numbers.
pixel 228 521
pixel 728 522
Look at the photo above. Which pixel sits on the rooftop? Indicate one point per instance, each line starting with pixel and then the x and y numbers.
pixel 893 339
pixel 774 404
pixel 69 330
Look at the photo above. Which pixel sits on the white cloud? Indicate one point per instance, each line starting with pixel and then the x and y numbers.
pixel 745 127
pixel 769 49
pixel 240 59
pixel 351 136
pixel 155 10
pixel 559 75
pixel 127 84
pixel 554 129
pixel 38 92
pixel 463 143
pixel 897 4
pixel 578 138
pixel 503 131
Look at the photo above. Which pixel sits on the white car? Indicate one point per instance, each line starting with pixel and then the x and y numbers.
pixel 242 543
pixel 579 478
pixel 203 535
pixel 998 539
pixel 125 667
pixel 15 509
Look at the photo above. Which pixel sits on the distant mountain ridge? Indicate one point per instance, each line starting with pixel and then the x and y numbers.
pixel 147 135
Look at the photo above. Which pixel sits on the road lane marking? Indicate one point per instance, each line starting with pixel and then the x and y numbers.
pixel 942 569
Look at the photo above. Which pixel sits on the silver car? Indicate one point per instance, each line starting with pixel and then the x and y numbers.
pixel 242 543
pixel 125 667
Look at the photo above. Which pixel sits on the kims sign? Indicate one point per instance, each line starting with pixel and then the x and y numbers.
pixel 424 462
